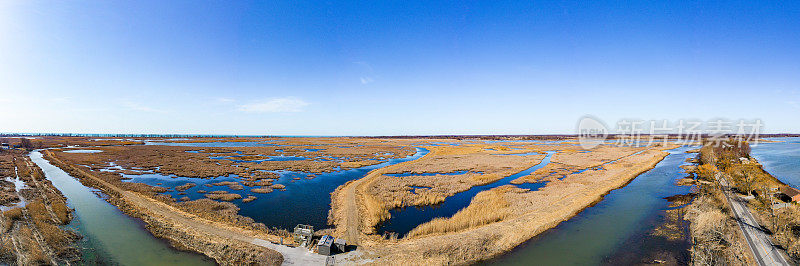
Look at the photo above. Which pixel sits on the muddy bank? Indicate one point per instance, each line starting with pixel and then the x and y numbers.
pixel 181 229
pixel 32 215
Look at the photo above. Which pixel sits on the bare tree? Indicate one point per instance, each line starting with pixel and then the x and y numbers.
pixel 748 182
pixel 26 143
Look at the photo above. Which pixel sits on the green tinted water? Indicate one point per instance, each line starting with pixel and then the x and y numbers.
pixel 110 236
pixel 616 231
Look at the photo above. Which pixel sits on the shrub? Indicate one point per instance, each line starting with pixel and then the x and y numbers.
pixel 262 190
pixel 62 211
pixel 11 216
pixel 222 195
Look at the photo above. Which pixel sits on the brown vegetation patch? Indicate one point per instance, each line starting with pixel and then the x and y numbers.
pixel 249 199
pixel 222 195
pixel 487 207
pixel 230 184
pixel 596 157
pixel 35 228
pixel 12 215
pixel 262 190
pixel 496 220
pixel 261 183
pixel 185 187
pixel 7 197
pixel 716 235
pixel 550 172
pixel 685 182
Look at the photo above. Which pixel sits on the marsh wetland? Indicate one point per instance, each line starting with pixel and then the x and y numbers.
pixel 467 201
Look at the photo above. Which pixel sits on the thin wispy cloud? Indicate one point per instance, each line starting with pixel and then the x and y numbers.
pixel 61 99
pixel 366 72
pixel 275 105
pixel 141 108
pixel 225 100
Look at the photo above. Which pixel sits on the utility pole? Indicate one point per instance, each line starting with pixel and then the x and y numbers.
pixel 771 210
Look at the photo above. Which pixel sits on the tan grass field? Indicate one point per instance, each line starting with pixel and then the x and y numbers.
pixel 496 220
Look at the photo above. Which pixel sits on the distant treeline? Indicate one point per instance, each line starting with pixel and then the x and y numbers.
pixel 564 137
pixel 786 135
pixel 481 137
pixel 460 137
pixel 128 135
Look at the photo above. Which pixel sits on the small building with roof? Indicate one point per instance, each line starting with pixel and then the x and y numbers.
pixel 324 247
pixel 303 234
pixel 791 192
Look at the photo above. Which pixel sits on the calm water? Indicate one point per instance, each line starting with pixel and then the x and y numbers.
pixel 82 151
pixel 304 201
pixel 18 185
pixel 403 220
pixel 110 236
pixel 615 231
pixel 781 159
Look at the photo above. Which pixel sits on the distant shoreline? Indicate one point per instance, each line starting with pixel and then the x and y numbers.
pixel 477 136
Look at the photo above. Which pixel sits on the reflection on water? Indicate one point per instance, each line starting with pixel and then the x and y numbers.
pixel 111 237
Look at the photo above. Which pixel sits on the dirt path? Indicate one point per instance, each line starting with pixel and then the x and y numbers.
pixel 291 256
pixel 352 222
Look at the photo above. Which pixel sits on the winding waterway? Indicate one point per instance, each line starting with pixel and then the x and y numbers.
pixel 110 236
pixel 304 200
pixel 403 220
pixel 617 230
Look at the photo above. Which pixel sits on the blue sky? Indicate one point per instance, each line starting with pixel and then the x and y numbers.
pixel 392 67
